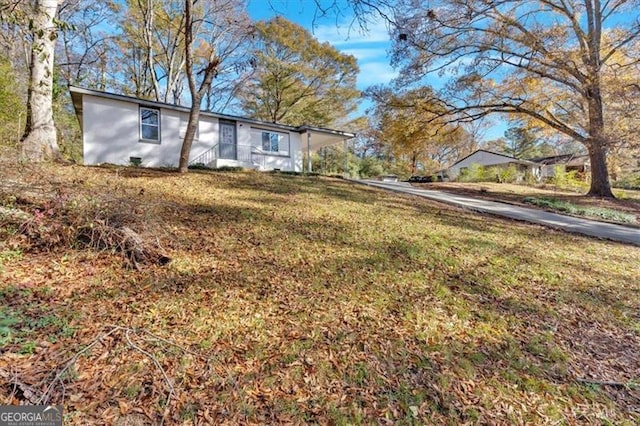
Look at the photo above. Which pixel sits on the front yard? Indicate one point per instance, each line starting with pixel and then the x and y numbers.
pixel 306 300
pixel 625 209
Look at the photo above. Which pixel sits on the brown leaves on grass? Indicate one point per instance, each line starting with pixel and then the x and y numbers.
pixel 294 300
pixel 55 214
pixel 110 346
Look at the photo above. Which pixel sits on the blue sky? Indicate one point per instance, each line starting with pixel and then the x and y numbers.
pixel 369 47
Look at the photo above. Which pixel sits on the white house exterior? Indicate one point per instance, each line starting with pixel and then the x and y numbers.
pixel 491 159
pixel 566 162
pixel 123 130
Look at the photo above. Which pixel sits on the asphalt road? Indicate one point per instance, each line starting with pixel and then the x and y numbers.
pixel 593 228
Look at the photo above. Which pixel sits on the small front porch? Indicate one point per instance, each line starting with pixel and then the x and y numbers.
pixel 292 154
pixel 316 138
pixel 245 156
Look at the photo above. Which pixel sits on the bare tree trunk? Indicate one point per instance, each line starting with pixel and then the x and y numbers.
pixel 209 72
pixel 39 142
pixel 189 135
pixel 194 113
pixel 147 14
pixel 600 186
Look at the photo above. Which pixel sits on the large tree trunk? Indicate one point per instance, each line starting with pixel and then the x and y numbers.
pixel 190 133
pixel 597 143
pixel 209 72
pixel 600 186
pixel 39 142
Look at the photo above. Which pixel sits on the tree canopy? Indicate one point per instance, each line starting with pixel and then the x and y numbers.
pixel 546 60
pixel 298 80
pixel 407 122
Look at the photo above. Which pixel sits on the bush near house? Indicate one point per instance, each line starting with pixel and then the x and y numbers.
pixel 478 173
pixel 631 181
pixel 571 181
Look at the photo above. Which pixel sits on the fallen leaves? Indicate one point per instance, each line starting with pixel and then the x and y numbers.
pixel 294 300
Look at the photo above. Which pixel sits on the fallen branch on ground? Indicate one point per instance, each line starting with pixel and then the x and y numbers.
pixel 135 248
pixel 630 385
pixel 129 336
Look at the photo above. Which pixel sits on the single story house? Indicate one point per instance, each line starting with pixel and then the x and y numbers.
pixel 124 130
pixel 566 162
pixel 492 159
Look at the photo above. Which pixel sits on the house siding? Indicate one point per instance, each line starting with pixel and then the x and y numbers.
pixel 265 161
pixel 483 158
pixel 111 134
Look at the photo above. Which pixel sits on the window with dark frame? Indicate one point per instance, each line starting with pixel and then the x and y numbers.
pixel 270 141
pixel 149 124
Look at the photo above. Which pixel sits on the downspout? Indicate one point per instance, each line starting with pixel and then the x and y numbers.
pixel 308 151
pixel 345 173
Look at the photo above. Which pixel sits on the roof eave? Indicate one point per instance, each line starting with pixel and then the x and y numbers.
pixel 79 91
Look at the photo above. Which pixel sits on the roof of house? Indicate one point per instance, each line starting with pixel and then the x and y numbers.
pixel 515 160
pixel 78 92
pixel 568 159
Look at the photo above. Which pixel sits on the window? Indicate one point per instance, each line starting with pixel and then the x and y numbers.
pixel 270 141
pixel 149 124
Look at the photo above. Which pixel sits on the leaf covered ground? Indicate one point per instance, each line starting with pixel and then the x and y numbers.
pixel 306 300
pixel 624 209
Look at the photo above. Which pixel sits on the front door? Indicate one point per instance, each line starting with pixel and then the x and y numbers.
pixel 228 150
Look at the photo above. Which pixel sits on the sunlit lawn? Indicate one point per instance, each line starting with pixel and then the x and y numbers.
pixel 312 300
pixel 624 209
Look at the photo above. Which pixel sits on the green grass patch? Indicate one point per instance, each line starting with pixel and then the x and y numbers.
pixel 574 209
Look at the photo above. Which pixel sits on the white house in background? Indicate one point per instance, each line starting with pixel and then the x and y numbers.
pixel 492 159
pixel 578 163
pixel 123 130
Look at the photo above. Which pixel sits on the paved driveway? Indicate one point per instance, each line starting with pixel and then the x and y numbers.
pixel 625 234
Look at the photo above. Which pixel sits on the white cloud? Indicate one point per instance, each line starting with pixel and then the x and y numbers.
pixel 369 48
pixel 350 33
pixel 366 54
pixel 375 73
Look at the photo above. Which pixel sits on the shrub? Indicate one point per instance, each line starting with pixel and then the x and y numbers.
pixel 292 173
pixel 231 169
pixel 199 166
pixel 478 173
pixel 370 167
pixel 12 109
pixel 474 173
pixel 631 181
pixel 507 174
pixel 567 180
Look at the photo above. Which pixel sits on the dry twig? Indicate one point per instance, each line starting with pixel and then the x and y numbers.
pixel 630 385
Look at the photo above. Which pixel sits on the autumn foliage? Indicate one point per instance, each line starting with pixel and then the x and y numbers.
pixel 306 300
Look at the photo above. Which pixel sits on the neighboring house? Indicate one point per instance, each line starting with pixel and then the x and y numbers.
pixel 492 159
pixel 120 129
pixel 567 162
